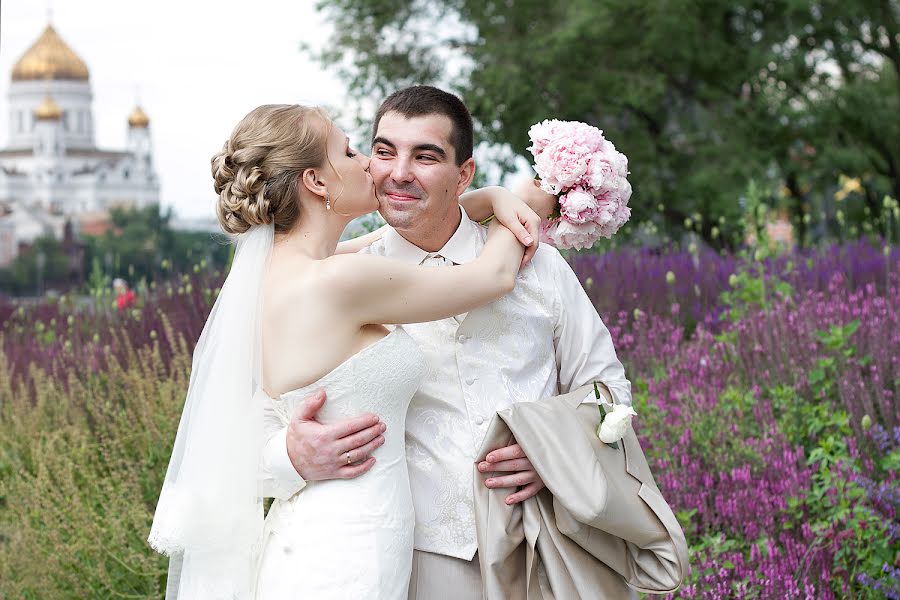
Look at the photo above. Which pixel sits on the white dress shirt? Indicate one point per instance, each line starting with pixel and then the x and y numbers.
pixel 542 339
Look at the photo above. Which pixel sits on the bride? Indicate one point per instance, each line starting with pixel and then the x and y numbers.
pixel 295 315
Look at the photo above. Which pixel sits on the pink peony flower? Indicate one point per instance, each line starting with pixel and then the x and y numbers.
pixel 542 133
pixel 601 173
pixel 621 163
pixel 577 205
pixel 607 171
pixel 564 234
pixel 561 165
pixel 587 136
pixel 575 161
pixel 581 134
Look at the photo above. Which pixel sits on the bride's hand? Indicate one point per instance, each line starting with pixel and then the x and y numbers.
pixel 530 191
pixel 514 214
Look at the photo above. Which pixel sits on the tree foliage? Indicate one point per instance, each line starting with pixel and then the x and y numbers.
pixel 44 265
pixel 139 244
pixel 702 96
pixel 142 244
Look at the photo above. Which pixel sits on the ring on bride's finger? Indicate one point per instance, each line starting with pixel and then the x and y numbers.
pixel 348 458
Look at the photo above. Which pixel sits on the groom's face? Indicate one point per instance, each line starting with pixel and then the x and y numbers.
pixel 416 176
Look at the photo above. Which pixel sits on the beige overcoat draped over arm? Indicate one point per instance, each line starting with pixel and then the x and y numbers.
pixel 601 528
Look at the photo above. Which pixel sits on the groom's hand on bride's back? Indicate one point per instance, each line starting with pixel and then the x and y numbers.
pixel 339 450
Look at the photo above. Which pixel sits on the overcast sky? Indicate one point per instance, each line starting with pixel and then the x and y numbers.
pixel 200 66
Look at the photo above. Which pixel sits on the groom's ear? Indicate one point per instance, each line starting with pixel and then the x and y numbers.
pixel 466 174
pixel 312 180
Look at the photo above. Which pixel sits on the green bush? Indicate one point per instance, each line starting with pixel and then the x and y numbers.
pixel 82 464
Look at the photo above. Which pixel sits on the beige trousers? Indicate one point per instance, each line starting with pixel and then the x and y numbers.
pixel 440 577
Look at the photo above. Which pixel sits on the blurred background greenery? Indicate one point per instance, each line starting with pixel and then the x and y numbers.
pixel 801 98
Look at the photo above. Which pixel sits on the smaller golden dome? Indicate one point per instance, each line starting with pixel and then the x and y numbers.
pixel 48 110
pixel 138 118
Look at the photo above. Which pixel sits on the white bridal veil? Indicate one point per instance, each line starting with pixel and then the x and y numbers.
pixel 209 516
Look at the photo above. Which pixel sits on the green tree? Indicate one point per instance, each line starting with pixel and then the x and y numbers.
pixel 141 241
pixel 43 266
pixel 139 244
pixel 702 96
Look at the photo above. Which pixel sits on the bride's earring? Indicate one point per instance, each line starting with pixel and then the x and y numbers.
pixel 327 201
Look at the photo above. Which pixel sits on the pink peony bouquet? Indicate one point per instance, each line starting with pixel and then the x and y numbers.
pixel 576 163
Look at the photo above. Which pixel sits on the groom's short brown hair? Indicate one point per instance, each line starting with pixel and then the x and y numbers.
pixel 422 100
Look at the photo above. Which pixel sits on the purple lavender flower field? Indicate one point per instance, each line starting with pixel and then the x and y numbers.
pixel 766 400
pixel 775 435
pixel 636 278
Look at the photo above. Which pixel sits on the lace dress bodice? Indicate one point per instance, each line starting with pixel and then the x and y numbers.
pixel 350 538
pixel 381 378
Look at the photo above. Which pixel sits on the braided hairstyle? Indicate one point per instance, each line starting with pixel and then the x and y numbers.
pixel 257 171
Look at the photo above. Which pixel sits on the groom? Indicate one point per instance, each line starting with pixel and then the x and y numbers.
pixel 542 339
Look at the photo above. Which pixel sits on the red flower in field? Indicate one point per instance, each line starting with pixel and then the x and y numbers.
pixel 124 295
pixel 125 300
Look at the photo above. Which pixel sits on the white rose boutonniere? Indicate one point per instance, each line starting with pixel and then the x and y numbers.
pixel 613 424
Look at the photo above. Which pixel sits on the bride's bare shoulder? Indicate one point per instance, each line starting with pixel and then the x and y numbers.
pixel 340 270
pixel 289 285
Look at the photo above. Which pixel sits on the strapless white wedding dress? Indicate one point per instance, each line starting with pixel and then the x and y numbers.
pixel 350 539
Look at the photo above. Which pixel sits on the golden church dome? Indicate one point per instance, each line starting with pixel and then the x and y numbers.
pixel 50 58
pixel 138 118
pixel 48 110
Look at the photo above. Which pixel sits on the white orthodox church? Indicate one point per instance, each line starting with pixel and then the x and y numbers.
pixel 51 170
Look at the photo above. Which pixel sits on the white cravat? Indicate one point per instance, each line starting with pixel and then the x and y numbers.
pixel 434 259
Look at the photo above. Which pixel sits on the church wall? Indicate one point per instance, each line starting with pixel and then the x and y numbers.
pixel 22 162
pixel 13 187
pixel 73 97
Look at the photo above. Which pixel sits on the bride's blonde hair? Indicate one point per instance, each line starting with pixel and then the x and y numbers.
pixel 257 171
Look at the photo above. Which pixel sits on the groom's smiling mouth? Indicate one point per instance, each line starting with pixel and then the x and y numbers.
pixel 401 196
